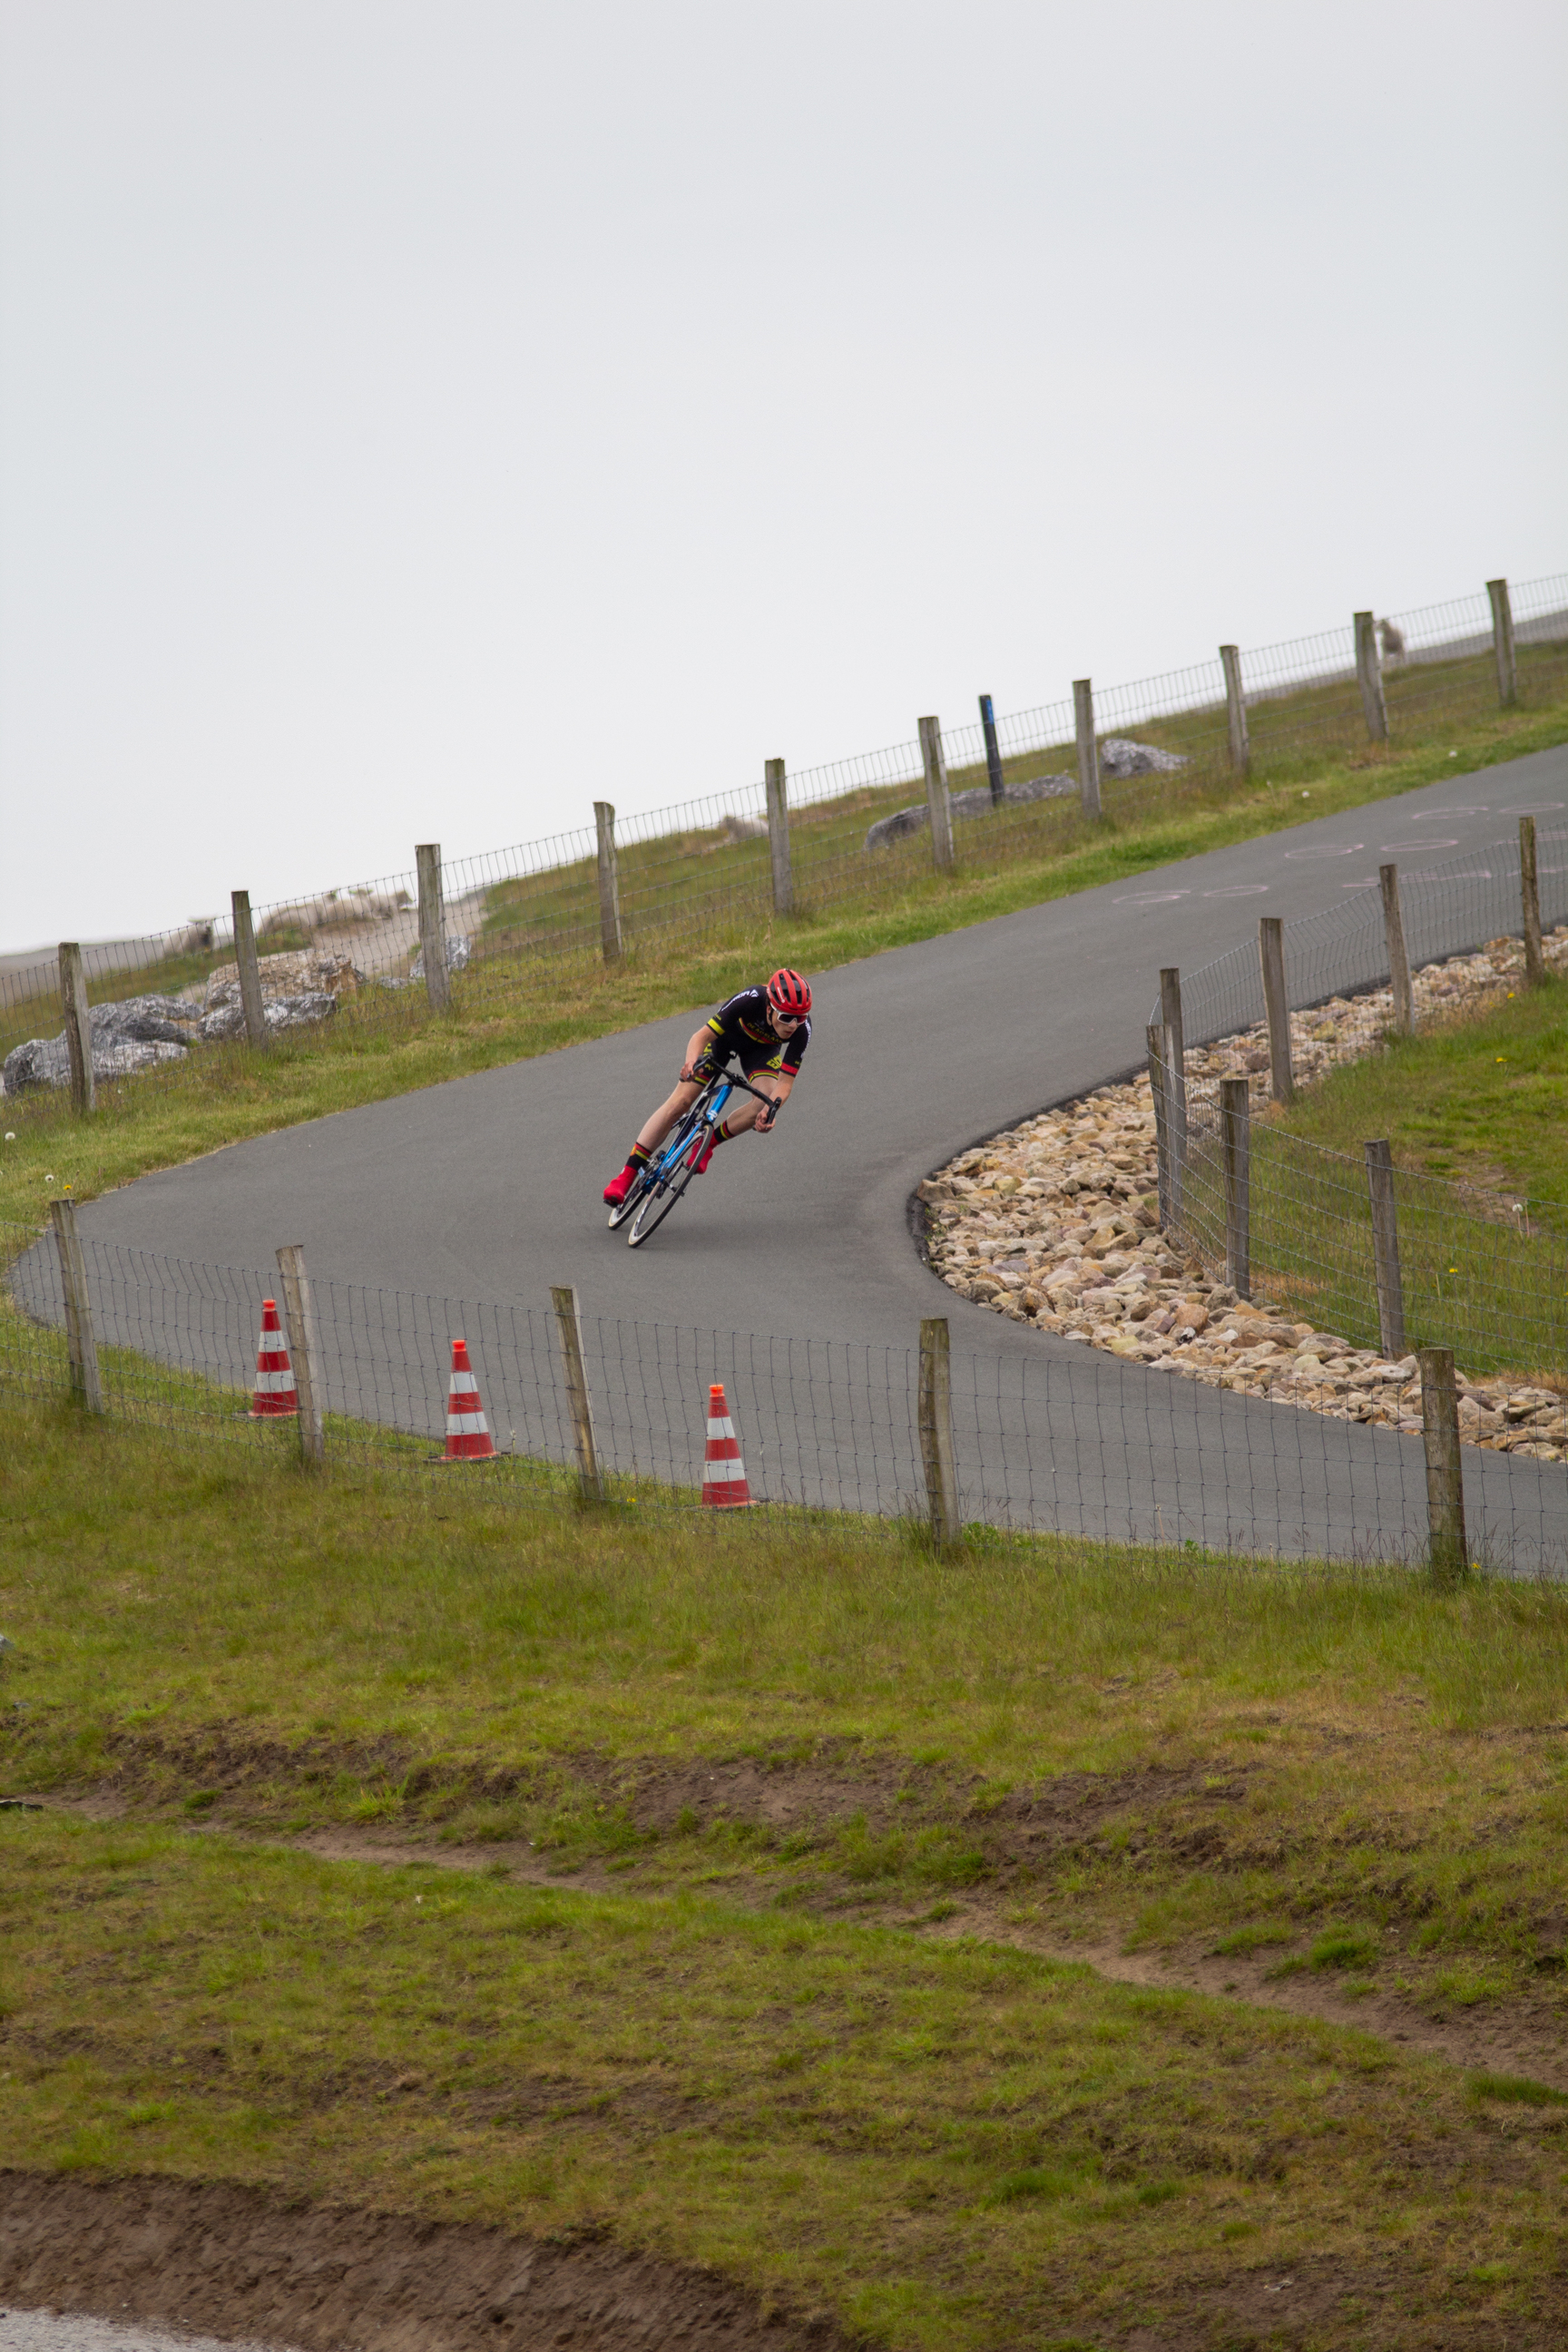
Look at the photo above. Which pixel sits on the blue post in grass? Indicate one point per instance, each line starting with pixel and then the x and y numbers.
pixel 992 750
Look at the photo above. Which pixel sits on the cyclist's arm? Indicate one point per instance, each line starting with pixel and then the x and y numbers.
pixel 704 1048
pixel 776 1082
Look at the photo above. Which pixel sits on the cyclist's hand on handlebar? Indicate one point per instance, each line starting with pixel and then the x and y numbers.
pixel 766 1118
pixel 698 1073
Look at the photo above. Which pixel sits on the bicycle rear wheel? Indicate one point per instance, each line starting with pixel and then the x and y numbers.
pixel 654 1208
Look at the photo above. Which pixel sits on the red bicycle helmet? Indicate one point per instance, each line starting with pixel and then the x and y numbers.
pixel 787 992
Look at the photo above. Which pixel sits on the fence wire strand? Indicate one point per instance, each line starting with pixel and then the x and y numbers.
pixel 167 1010
pixel 1047 1442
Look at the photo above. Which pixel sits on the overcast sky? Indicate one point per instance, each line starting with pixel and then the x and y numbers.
pixel 417 421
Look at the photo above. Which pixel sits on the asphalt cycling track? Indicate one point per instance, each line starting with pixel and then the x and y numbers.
pixel 488 1188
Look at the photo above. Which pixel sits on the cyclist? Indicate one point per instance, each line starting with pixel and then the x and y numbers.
pixel 767 1030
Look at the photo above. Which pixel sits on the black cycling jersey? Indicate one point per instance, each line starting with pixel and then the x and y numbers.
pixel 741 1027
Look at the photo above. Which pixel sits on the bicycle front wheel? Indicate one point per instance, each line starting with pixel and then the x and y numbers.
pixel 633 1201
pixel 655 1210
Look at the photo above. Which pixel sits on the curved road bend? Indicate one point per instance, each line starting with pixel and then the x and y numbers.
pixel 488 1188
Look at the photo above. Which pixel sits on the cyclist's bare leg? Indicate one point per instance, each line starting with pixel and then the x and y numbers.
pixel 653 1131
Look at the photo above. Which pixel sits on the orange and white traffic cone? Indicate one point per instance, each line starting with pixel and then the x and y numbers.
pixel 468 1432
pixel 723 1472
pixel 275 1392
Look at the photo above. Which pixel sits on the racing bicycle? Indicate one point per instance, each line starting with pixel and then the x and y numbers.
pixel 661 1183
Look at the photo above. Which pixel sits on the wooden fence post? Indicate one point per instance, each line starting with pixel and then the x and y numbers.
pixel 1088 748
pixel 304 1354
pixel 1445 1480
pixel 433 925
pixel 778 837
pixel 1277 1005
pixel 1155 1035
pixel 78 1025
pixel 569 1327
pixel 1171 1014
pixel 936 1432
pixel 1235 711
pixel 1503 641
pixel 934 762
pixel 611 942
pixel 1369 678
pixel 1398 961
pixel 1236 1136
pixel 1385 1251
pixel 249 972
pixel 1175 1084
pixel 1530 904
pixel 81 1344
pixel 992 750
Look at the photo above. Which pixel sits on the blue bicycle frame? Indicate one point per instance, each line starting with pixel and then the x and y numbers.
pixel 664 1180
pixel 706 1111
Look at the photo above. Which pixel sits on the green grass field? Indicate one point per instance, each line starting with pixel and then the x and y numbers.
pixel 1480 1102
pixel 956 2144
pixel 1475 1112
pixel 720 1885
pixel 228 1094
pixel 777 1841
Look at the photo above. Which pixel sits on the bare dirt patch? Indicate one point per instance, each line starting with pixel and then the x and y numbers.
pixel 1309 2307
pixel 782 1791
pixel 236 2262
pixel 228 1760
pixel 233 2262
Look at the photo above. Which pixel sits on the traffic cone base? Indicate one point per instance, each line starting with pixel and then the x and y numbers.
pixel 274 1394
pixel 724 1484
pixel 468 1432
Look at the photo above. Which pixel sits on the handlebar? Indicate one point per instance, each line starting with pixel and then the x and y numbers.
pixel 733 1078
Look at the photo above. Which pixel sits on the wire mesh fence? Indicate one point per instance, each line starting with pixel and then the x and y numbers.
pixel 1483 1273
pixel 1058 1441
pixel 1492 1289
pixel 1337 957
pixel 167 1010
